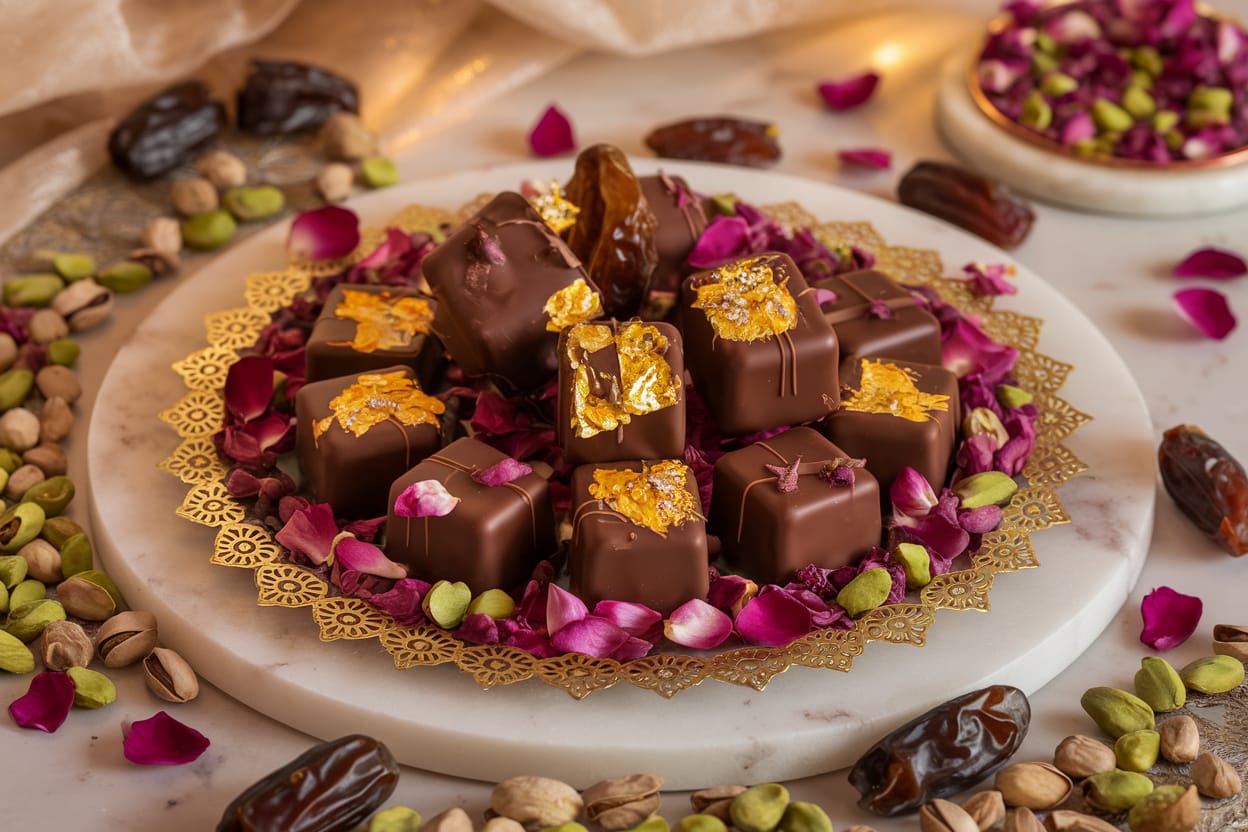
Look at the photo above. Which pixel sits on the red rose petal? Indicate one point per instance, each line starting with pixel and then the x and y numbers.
pixel 773 619
pixel 1216 263
pixel 249 387
pixel 552 135
pixel 310 531
pixel 590 636
pixel 163 741
pixel 848 93
pixel 563 609
pixel 1170 617
pixel 1207 310
pixel 358 556
pixel 867 157
pixel 46 702
pixel 325 233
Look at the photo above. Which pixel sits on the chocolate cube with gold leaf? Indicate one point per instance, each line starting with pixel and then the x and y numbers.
pixel 358 434
pixel 364 328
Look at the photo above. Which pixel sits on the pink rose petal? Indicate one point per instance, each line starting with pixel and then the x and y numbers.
pixel 1170 617
pixel 402 601
pixel 563 608
pixel 637 620
pixel 552 135
pixel 824 296
pixel 310 532
pixel 912 496
pixel 1207 310
pixel 980 520
pixel 325 233
pixel 989 279
pixel 502 473
pixel 967 350
pixel 773 619
pixel 725 239
pixel 1216 263
pixel 358 556
pixel 163 741
pixel 731 592
pixel 477 628
pixel 426 498
pixel 249 387
pixel 866 157
pixel 848 93
pixel 697 624
pixel 46 703
pixel 590 636
pixel 632 648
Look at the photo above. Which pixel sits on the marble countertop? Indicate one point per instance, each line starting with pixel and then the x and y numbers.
pixel 1116 270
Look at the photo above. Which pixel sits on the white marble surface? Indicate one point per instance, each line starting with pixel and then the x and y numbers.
pixel 1115 270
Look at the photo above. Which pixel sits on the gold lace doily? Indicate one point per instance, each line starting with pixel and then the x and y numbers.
pixel 1034 507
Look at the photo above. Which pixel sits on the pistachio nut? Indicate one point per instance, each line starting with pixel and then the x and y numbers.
pixel 454 819
pixel 1115 791
pixel 446 604
pixel 209 230
pixel 1137 102
pixel 346 139
pixel 1231 640
pixel 19 429
pixel 46 326
pixel 495 603
pixel 759 808
pixel 125 276
pixel 396 819
pixel 160 262
pixel 22 479
pixel 90 595
pixel 715 800
pixel 858 827
pixel 865 592
pixel 27 621
pixel 1180 739
pixel 335 182
pixel 56 420
pixel 169 676
pixel 58 530
pixel 622 802
pixel 1109 116
pixel 537 801
pixel 1036 112
pixel 10 460
pixel 651 824
pixel 986 808
pixel 1023 820
pixel 43 561
pixel 1117 712
pixel 64 644
pixel 985 489
pixel 193 195
pixel 15 657
pixel 1164 121
pixel 1213 674
pixel 15 386
pixel 1215 777
pixel 1065 820
pixel 12 570
pixel 254 203
pixel 4 599
pixel 54 380
pixel 72 267
pixel 222 168
pixel 52 495
pixel 1033 785
pixel 1166 809
pixel 944 816
pixel 1137 750
pixel 163 234
pixel 92 689
pixel 801 816
pixel 985 421
pixel 8 351
pixel 700 823
pixel 1078 756
pixel 27 592
pixel 379 172
pixel 84 305
pixel 126 638
pixel 48 458
pixel 32 289
pixel 916 563
pixel 1158 684
pixel 76 556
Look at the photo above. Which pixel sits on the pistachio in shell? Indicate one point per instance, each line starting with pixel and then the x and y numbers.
pixel 90 595
pixel 1166 809
pixel 64 644
pixel 126 638
pixel 1231 640
pixel 169 676
pixel 29 620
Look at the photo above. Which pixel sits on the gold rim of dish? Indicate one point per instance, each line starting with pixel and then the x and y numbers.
pixel 242 544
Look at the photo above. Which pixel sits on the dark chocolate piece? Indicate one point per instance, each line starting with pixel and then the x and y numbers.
pixel 161 132
pixel 769 533
pixel 613 558
pixel 681 220
pixel 332 349
pixel 286 97
pixel 493 537
pixel 774 380
pixel 875 318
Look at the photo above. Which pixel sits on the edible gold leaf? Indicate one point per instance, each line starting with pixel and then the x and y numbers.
pixel 554 208
pixel 383 322
pixel 379 397
pixel 645 382
pixel 744 302
pixel 656 497
pixel 889 389
pixel 572 304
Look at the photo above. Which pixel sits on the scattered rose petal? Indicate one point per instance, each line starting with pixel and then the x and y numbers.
pixel 637 620
pixel 939 530
pixel 325 233
pixel 46 703
pixel 989 279
pixel 1216 263
pixel 911 495
pixel 697 624
pixel 1079 127
pixel 786 475
pixel 866 157
pixel 563 608
pixel 1207 310
pixel 402 601
pixel 552 135
pixel 477 628
pixel 773 619
pixel 1170 617
pixel 249 387
pixel 880 310
pixel 358 556
pixel 725 239
pixel 632 648
pixel 426 498
pixel 731 592
pixel 163 741
pixel 590 636
pixel 967 350
pixel 502 473
pixel 310 532
pixel 980 520
pixel 848 93
pixel 824 296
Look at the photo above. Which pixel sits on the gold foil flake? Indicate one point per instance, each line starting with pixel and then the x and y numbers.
pixel 644 384
pixel 383 321
pixel 377 398
pixel 554 209
pixel 572 304
pixel 743 301
pixel 656 497
pixel 889 389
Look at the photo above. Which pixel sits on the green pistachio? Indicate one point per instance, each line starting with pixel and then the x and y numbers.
pixel 1174 139
pixel 760 808
pixel 15 386
pixel 15 657
pixel 1166 809
pixel 1110 117
pixel 1138 103
pixel 1146 59
pixel 27 621
pixel 1115 791
pixel 1164 121
pixel 1137 750
pixel 1086 148
pixel 92 689
pixel 1054 84
pixel 64 352
pixel 27 592
pixel 446 603
pixel 58 530
pixel 700 823
pixel 379 172
pixel 865 592
pixel 1141 79
pixel 32 289
pixel 52 494
pixel 1198 119
pixel 1158 684
pixel 11 460
pixel 1045 43
pixel 13 570
pixel 208 230
pixel 395 819
pixel 724 205
pixel 253 203
pixel 1036 111
pixel 1042 64
pixel 126 276
pixel 655 823
pixel 1012 397
pixel 19 525
pixel 984 489
pixel 1213 674
pixel 493 602
pixel 91 595
pixel 1116 711
pixel 1212 100
pixel 801 816
pixel 73 266
pixel 76 555
pixel 916 562
pixel 4 598
pixel 570 826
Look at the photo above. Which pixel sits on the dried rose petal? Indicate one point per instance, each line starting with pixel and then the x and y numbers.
pixel 590 636
pixel 563 608
pixel 967 350
pixel 46 703
pixel 989 279
pixel 1216 263
pixel 325 233
pixel 1207 310
pixel 552 135
pixel 731 592
pixel 980 520
pixel 867 157
pixel 697 624
pixel 725 239
pixel 249 387
pixel 426 498
pixel 773 619
pixel 477 628
pixel 310 532
pixel 1170 617
pixel 637 620
pixel 912 496
pixel 848 93
pixel 502 473
pixel 786 475
pixel 632 648
pixel 824 296
pixel 161 740
pixel 402 601
pixel 358 556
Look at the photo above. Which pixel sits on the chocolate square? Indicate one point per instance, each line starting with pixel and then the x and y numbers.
pixel 598 392
pixel 775 379
pixel 492 278
pixel 680 219
pixel 769 534
pixel 353 473
pixel 340 344
pixel 889 442
pixel 864 331
pixel 613 558
pixel 494 536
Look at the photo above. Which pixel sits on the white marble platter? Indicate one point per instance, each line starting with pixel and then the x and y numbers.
pixel 807 721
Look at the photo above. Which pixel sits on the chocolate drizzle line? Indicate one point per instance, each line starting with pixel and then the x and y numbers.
pixel 689 209
pixel 849 313
pixel 803 469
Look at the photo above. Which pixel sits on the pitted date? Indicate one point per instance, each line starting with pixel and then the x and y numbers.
pixel 161 132
pixel 1208 485
pixel 730 141
pixel 334 786
pixel 949 748
pixel 982 206
pixel 286 97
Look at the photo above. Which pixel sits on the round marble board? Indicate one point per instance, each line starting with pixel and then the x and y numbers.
pixel 807 721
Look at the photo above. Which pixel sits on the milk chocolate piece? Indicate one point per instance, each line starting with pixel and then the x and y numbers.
pixel 890 443
pixel 779 379
pixel 876 318
pixel 681 220
pixel 493 537
pixel 332 346
pixel 613 558
pixel 650 433
pixel 769 534
pixel 353 473
pixel 492 278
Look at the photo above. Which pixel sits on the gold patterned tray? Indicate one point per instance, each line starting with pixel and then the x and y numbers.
pixel 240 544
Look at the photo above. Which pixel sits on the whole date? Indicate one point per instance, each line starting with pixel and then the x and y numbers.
pixel 286 97
pixel 1207 484
pixel 161 132
pixel 723 139
pixel 980 205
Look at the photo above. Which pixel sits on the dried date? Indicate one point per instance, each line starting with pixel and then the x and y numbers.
pixel 980 205
pixel 730 141
pixel 286 97
pixel 161 132
pixel 333 786
pixel 949 748
pixel 1207 484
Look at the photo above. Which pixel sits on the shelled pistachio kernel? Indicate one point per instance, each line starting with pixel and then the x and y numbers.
pixel 700 823
pixel 15 657
pixel 27 592
pixel 1213 674
pixel 1117 712
pixel 1115 791
pixel 208 231
pixel 15 386
pixel 395 819
pixel 64 352
pixel 32 290
pixel 52 495
pixel 27 621
pixel 57 530
pixel 379 172
pixel 495 603
pixel 759 808
pixel 1159 684
pixel 76 556
pixel 865 592
pixel 92 689
pixel 446 603
pixel 125 276
pixel 254 203
pixel 1137 750
pixel 916 563
pixel 12 570
pixel 72 266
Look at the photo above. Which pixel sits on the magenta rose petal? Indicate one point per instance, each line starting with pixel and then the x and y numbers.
pixel 1207 310
pixel 562 609
pixel 325 233
pixel 866 157
pixel 1170 617
pixel 310 532
pixel 773 619
pixel 1216 263
pixel 637 620
pixel 850 92
pixel 552 135
pixel 426 498
pixel 590 636
pixel 502 473
pixel 912 496
pixel 402 601
pixel 358 556
pixel 726 238
pixel 163 741
pixel 989 279
pixel 249 387
pixel 697 624
pixel 824 296
pixel 46 703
